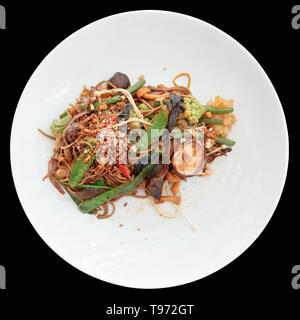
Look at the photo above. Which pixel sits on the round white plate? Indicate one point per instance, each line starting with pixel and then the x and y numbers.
pixel 230 208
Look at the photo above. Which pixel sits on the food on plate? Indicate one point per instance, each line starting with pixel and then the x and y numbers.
pixel 122 139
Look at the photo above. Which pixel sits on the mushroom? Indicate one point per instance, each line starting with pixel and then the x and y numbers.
pixel 188 159
pixel 156 180
pixel 120 80
pixel 87 193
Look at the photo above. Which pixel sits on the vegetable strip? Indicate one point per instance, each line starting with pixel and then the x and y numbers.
pixel 225 141
pixel 88 205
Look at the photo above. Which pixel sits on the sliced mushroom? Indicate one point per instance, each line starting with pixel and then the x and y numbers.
pixel 120 80
pixel 156 180
pixel 188 159
pixel 87 193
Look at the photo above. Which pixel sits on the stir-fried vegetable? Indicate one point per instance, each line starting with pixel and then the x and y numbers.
pixel 154 131
pixel 124 170
pixel 211 121
pixel 58 126
pixel 81 166
pixel 126 187
pixel 218 110
pixel 225 141
pixel 193 110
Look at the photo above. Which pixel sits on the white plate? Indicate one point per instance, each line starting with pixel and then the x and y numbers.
pixel 230 207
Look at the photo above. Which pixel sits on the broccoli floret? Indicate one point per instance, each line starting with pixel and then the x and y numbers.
pixel 193 110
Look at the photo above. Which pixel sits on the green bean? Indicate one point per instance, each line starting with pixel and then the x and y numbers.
pixel 111 100
pixel 142 106
pixel 132 89
pixel 211 121
pixel 63 115
pixel 218 110
pixel 157 102
pixel 88 205
pixel 226 142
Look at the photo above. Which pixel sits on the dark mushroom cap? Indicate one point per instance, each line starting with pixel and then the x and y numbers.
pixel 120 80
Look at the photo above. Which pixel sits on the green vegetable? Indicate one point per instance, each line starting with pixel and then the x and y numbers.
pixel 142 106
pixel 63 115
pixel 155 130
pixel 88 205
pixel 136 86
pixel 193 110
pixel 218 110
pixel 58 126
pixel 211 121
pixel 97 185
pixel 225 141
pixel 99 182
pixel 157 103
pixel 131 90
pixel 80 167
pixel 111 100
pixel 85 186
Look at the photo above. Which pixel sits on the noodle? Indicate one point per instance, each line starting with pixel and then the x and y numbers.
pixel 46 135
pixel 181 75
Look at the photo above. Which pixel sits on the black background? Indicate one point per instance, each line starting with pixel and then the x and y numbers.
pixel 263 271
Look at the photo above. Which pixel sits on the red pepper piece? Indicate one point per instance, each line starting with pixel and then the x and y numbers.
pixel 124 170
